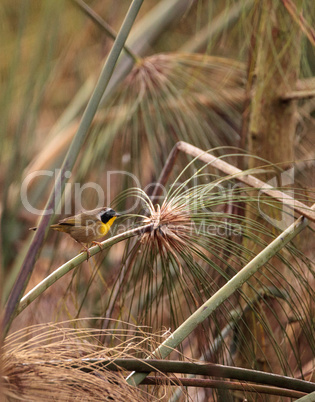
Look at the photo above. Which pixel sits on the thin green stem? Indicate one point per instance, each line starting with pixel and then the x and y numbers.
pixel 307 398
pixel 221 295
pixel 72 154
pixel 103 25
pixel 73 263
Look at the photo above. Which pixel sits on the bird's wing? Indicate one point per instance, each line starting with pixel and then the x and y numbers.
pixel 71 221
pixel 78 220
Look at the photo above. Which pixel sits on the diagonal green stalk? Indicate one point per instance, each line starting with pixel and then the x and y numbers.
pixel 103 25
pixel 72 154
pixel 221 295
pixel 307 398
pixel 73 263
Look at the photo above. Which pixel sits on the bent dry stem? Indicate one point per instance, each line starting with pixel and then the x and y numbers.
pixel 221 295
pixel 233 172
pixel 73 263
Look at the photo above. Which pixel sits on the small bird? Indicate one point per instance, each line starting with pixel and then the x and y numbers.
pixel 88 226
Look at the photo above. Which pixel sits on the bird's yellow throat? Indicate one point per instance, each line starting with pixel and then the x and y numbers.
pixel 106 226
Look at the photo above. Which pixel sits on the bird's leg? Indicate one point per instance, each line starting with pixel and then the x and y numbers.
pixel 85 248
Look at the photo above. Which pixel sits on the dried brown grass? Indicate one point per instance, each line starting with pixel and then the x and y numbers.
pixel 51 362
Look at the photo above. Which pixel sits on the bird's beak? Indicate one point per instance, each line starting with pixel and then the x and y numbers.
pixel 118 214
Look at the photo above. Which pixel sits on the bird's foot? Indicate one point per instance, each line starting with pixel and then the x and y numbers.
pixel 86 249
pixel 97 243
